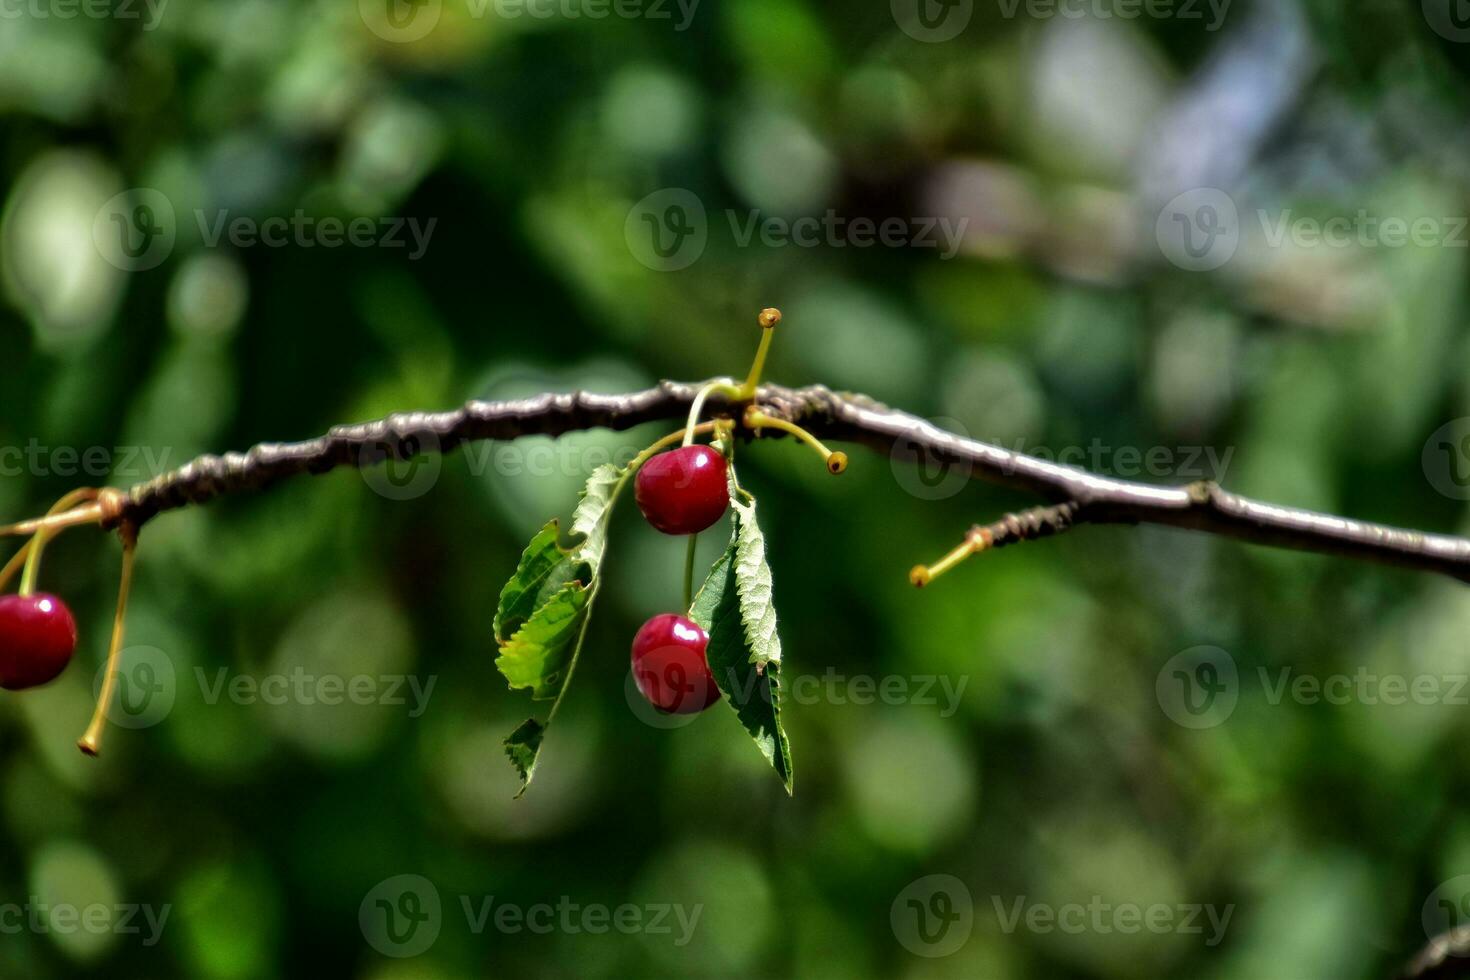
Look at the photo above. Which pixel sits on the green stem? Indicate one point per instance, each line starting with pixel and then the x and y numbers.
pixel 689 571
pixel 32 568
pixel 695 408
pixel 753 379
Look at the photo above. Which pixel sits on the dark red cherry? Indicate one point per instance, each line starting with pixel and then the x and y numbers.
pixel 37 639
pixel 684 490
pixel 670 667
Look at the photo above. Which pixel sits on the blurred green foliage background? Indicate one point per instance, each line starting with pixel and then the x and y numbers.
pixel 1315 374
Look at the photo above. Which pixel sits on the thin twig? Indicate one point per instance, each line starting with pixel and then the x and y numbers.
pixel 1026 525
pixel 827 414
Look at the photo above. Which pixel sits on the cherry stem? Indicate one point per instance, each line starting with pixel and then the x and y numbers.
pixel 13 566
pixel 836 462
pixel 1025 525
pixel 768 319
pixel 54 521
pixel 975 542
pixel 689 571
pixel 666 441
pixel 91 742
pixel 60 517
pixel 698 406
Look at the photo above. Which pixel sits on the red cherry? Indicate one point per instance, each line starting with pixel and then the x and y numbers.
pixel 669 665
pixel 683 491
pixel 37 638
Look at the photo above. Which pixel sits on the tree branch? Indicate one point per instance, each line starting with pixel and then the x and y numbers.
pixel 829 415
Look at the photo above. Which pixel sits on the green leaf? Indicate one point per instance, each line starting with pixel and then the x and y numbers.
pixel 590 518
pixel 521 746
pixel 544 571
pixel 753 581
pixel 752 689
pixel 545 568
pixel 544 610
pixel 539 655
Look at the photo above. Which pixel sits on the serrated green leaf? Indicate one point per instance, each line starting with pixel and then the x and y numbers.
pixel 539 654
pixel 544 610
pixel 590 517
pixel 753 691
pixel 753 582
pixel 521 747
pixel 544 570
